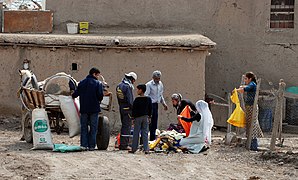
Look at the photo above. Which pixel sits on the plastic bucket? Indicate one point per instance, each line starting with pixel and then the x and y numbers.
pixel 72 28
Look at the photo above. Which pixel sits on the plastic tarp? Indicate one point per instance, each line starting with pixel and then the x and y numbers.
pixel 186 125
pixel 66 148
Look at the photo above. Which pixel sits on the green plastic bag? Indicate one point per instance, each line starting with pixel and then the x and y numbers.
pixel 66 148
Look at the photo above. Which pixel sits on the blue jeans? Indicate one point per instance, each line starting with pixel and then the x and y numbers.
pixel 88 137
pixel 140 124
pixel 254 144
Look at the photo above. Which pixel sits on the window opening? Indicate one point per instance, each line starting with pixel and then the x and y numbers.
pixel 74 66
pixel 282 14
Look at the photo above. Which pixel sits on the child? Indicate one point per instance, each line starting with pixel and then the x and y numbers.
pixel 141 114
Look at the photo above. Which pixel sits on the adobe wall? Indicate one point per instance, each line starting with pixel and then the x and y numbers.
pixel 239 27
pixel 182 71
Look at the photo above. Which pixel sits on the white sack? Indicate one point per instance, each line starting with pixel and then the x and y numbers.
pixel 71 114
pixel 42 138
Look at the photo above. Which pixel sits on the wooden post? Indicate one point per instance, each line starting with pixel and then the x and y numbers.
pixel 229 129
pixel 283 105
pixel 278 114
pixel 254 111
pixel 1 14
pixel 240 95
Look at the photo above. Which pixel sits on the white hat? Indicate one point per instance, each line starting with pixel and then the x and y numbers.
pixel 133 75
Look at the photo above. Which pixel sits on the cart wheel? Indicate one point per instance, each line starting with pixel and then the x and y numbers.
pixel 27 119
pixel 103 133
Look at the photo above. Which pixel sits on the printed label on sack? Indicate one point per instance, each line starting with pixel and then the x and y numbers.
pixel 40 125
pixel 42 140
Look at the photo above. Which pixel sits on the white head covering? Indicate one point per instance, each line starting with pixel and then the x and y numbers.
pixel 206 119
pixel 132 74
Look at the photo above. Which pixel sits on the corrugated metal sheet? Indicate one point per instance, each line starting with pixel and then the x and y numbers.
pixel 28 21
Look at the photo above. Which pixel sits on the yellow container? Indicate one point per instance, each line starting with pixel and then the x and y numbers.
pixel 84 27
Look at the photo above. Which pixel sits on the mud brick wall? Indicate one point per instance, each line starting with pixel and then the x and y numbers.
pixel 183 71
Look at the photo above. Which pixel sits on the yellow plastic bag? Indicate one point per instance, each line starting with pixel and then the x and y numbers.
pixel 237 118
pixel 154 143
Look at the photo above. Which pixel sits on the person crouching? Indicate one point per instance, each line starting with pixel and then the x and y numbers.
pixel 141 115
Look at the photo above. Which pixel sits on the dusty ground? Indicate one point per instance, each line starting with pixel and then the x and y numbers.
pixel 220 162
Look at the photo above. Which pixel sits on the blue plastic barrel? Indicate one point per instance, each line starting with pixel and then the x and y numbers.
pixel 265 119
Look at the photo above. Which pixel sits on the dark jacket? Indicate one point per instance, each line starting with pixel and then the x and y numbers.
pixel 142 106
pixel 124 94
pixel 90 91
pixel 196 117
pixel 183 104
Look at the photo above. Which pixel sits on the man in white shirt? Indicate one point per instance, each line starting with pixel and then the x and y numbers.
pixel 154 89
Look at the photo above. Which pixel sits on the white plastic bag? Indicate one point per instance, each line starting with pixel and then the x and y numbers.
pixel 42 138
pixel 71 114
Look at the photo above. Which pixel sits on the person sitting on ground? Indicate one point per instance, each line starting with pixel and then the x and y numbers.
pixel 141 113
pixel 200 130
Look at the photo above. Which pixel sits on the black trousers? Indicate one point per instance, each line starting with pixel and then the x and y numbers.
pixel 153 124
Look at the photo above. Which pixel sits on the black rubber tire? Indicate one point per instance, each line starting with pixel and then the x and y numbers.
pixel 103 133
pixel 28 134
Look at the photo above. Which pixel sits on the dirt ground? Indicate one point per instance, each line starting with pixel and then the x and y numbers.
pixel 219 162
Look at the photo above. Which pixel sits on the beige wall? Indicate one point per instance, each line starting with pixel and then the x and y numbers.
pixel 182 71
pixel 239 27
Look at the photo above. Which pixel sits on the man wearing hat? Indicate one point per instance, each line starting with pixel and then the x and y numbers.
pixel 154 89
pixel 125 101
